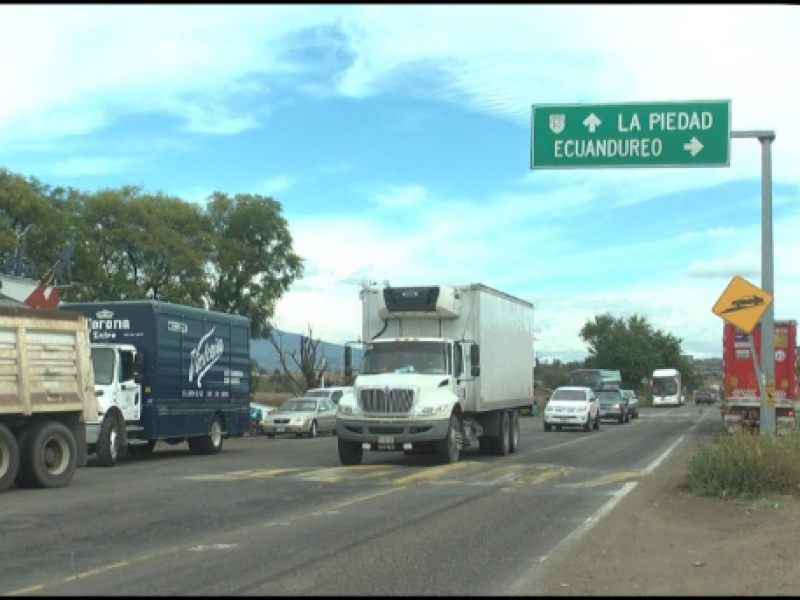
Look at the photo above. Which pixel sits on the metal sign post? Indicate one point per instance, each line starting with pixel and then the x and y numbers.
pixel 767 379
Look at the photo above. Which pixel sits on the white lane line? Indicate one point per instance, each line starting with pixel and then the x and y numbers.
pixel 525 584
pixel 652 466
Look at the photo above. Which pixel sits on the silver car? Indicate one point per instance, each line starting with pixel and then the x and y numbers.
pixel 633 403
pixel 302 417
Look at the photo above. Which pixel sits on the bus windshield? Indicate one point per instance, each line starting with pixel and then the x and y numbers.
pixel 665 386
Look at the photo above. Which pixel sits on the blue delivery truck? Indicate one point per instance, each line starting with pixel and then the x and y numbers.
pixel 165 372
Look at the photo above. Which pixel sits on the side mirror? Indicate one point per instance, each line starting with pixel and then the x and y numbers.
pixel 476 371
pixel 475 357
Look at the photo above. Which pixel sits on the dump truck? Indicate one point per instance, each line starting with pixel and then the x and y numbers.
pixel 444 368
pixel 46 396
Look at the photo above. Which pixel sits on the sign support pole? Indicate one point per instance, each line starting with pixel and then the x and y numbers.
pixel 767 423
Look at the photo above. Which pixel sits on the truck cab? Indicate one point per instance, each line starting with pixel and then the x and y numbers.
pixel 117 379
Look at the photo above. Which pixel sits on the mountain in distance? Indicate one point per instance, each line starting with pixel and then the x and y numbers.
pixel 263 352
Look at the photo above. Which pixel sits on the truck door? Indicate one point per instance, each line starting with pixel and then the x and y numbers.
pixel 130 398
pixel 461 370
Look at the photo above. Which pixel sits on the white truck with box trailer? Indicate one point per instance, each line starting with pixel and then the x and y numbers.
pixel 444 368
pixel 46 396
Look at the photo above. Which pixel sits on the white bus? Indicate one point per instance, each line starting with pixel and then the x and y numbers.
pixel 667 388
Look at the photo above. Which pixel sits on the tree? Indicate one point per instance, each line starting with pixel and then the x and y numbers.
pixel 634 348
pixel 306 371
pixel 252 261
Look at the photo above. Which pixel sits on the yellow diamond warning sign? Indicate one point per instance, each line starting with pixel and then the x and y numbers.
pixel 742 304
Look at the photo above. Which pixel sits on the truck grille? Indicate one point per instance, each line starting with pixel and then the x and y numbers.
pixel 386 401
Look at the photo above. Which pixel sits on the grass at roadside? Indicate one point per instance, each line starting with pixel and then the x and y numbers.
pixel 746 466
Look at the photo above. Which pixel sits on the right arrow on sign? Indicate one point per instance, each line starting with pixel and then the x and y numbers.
pixel 693 146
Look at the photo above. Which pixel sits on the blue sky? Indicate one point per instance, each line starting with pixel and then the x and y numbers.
pixel 397 139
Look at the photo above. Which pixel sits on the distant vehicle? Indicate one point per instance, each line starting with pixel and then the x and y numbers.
pixel 633 403
pixel 667 390
pixel 614 405
pixel 595 379
pixel 741 400
pixel 573 407
pixel 705 396
pixel 303 417
pixel 333 394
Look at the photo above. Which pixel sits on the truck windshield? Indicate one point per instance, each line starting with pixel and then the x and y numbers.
pixel 103 366
pixel 406 357
pixel 665 386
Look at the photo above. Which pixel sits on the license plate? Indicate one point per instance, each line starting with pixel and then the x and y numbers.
pixel 280 429
pixel 385 441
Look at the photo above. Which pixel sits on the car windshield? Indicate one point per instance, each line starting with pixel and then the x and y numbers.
pixel 665 386
pixel 608 395
pixel 628 394
pixel 577 395
pixel 299 406
pixel 103 365
pixel 318 394
pixel 406 357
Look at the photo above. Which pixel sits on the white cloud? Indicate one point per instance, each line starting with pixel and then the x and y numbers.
pixel 79 166
pixel 275 185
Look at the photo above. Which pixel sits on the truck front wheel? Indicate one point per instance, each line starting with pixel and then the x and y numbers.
pixel 9 458
pixel 108 444
pixel 350 453
pixel 49 456
pixel 449 449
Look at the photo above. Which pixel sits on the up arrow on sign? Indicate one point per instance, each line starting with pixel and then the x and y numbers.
pixel 592 122
pixel 693 146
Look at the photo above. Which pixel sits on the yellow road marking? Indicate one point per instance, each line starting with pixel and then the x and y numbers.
pixel 606 479
pixel 431 472
pixel 27 590
pixel 97 571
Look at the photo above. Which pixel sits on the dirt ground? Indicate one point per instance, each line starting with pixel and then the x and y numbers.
pixel 663 540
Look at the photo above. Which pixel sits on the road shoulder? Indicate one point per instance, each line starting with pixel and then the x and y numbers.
pixel 663 540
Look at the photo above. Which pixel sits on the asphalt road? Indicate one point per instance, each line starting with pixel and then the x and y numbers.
pixel 282 517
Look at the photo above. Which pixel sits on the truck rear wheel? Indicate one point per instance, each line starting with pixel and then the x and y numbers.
pixel 108 443
pixel 49 456
pixel 449 449
pixel 212 443
pixel 350 453
pixel 502 442
pixel 514 439
pixel 9 458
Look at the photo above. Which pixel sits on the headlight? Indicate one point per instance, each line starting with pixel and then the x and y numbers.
pixel 346 409
pixel 432 410
pixel 616 406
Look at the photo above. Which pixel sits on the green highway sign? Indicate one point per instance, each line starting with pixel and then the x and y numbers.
pixel 633 134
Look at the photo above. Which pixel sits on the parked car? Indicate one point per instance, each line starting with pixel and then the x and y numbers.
pixel 302 416
pixel 331 393
pixel 613 405
pixel 573 407
pixel 633 403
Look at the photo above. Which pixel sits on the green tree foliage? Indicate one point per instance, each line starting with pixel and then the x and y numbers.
pixel 252 261
pixel 634 348
pixel 233 255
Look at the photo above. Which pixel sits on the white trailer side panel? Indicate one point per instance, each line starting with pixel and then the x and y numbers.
pixel 503 327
